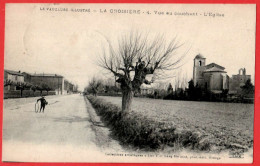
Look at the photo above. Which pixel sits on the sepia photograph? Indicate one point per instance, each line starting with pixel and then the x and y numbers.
pixel 129 83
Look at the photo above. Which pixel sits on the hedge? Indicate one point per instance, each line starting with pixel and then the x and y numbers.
pixel 136 129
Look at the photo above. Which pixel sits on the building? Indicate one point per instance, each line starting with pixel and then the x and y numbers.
pixel 54 81
pixel 14 77
pixel 146 89
pixel 238 80
pixel 68 87
pixel 17 84
pixel 214 78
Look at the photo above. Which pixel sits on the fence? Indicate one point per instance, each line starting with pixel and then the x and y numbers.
pixel 26 93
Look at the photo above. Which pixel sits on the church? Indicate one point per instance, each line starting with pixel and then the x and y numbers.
pixel 214 78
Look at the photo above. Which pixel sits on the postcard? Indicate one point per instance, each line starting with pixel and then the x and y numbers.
pixel 129 83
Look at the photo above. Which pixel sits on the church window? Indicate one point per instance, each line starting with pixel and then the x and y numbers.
pixel 199 63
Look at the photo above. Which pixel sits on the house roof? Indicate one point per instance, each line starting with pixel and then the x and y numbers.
pixel 214 65
pixel 13 72
pixel 214 69
pixel 44 75
pixel 48 75
pixel 200 56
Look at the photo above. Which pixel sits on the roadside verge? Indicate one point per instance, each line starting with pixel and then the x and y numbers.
pixel 103 138
pixel 139 131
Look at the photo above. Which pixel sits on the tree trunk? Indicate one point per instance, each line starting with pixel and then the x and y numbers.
pixel 21 93
pixel 127 100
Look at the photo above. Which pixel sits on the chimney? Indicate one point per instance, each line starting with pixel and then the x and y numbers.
pixel 19 71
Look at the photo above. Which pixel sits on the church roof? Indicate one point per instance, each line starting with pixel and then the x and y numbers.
pixel 214 69
pixel 200 56
pixel 214 65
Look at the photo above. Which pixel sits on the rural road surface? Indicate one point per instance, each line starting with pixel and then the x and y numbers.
pixel 64 132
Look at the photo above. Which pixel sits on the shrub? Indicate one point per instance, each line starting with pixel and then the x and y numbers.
pixel 135 129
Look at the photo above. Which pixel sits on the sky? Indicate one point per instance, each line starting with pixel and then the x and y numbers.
pixel 69 43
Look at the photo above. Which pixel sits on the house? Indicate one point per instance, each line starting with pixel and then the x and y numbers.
pixel 14 77
pixel 146 89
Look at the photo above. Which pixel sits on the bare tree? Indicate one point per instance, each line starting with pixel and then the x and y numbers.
pixel 94 86
pixel 137 56
pixel 184 83
pixel 178 80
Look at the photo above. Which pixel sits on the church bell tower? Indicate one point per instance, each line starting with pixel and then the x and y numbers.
pixel 198 68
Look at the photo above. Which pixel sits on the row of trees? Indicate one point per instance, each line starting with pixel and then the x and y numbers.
pixel 197 93
pixel 167 91
pixel 96 86
pixel 25 85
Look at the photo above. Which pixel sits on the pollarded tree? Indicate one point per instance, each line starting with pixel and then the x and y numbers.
pixel 22 86
pixel 94 86
pixel 39 88
pixel 137 56
pixel 34 88
pixel 46 87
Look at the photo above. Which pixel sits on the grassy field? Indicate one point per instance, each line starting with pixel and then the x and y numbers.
pixel 226 125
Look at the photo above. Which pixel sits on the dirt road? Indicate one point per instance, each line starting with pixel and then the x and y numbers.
pixel 64 132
